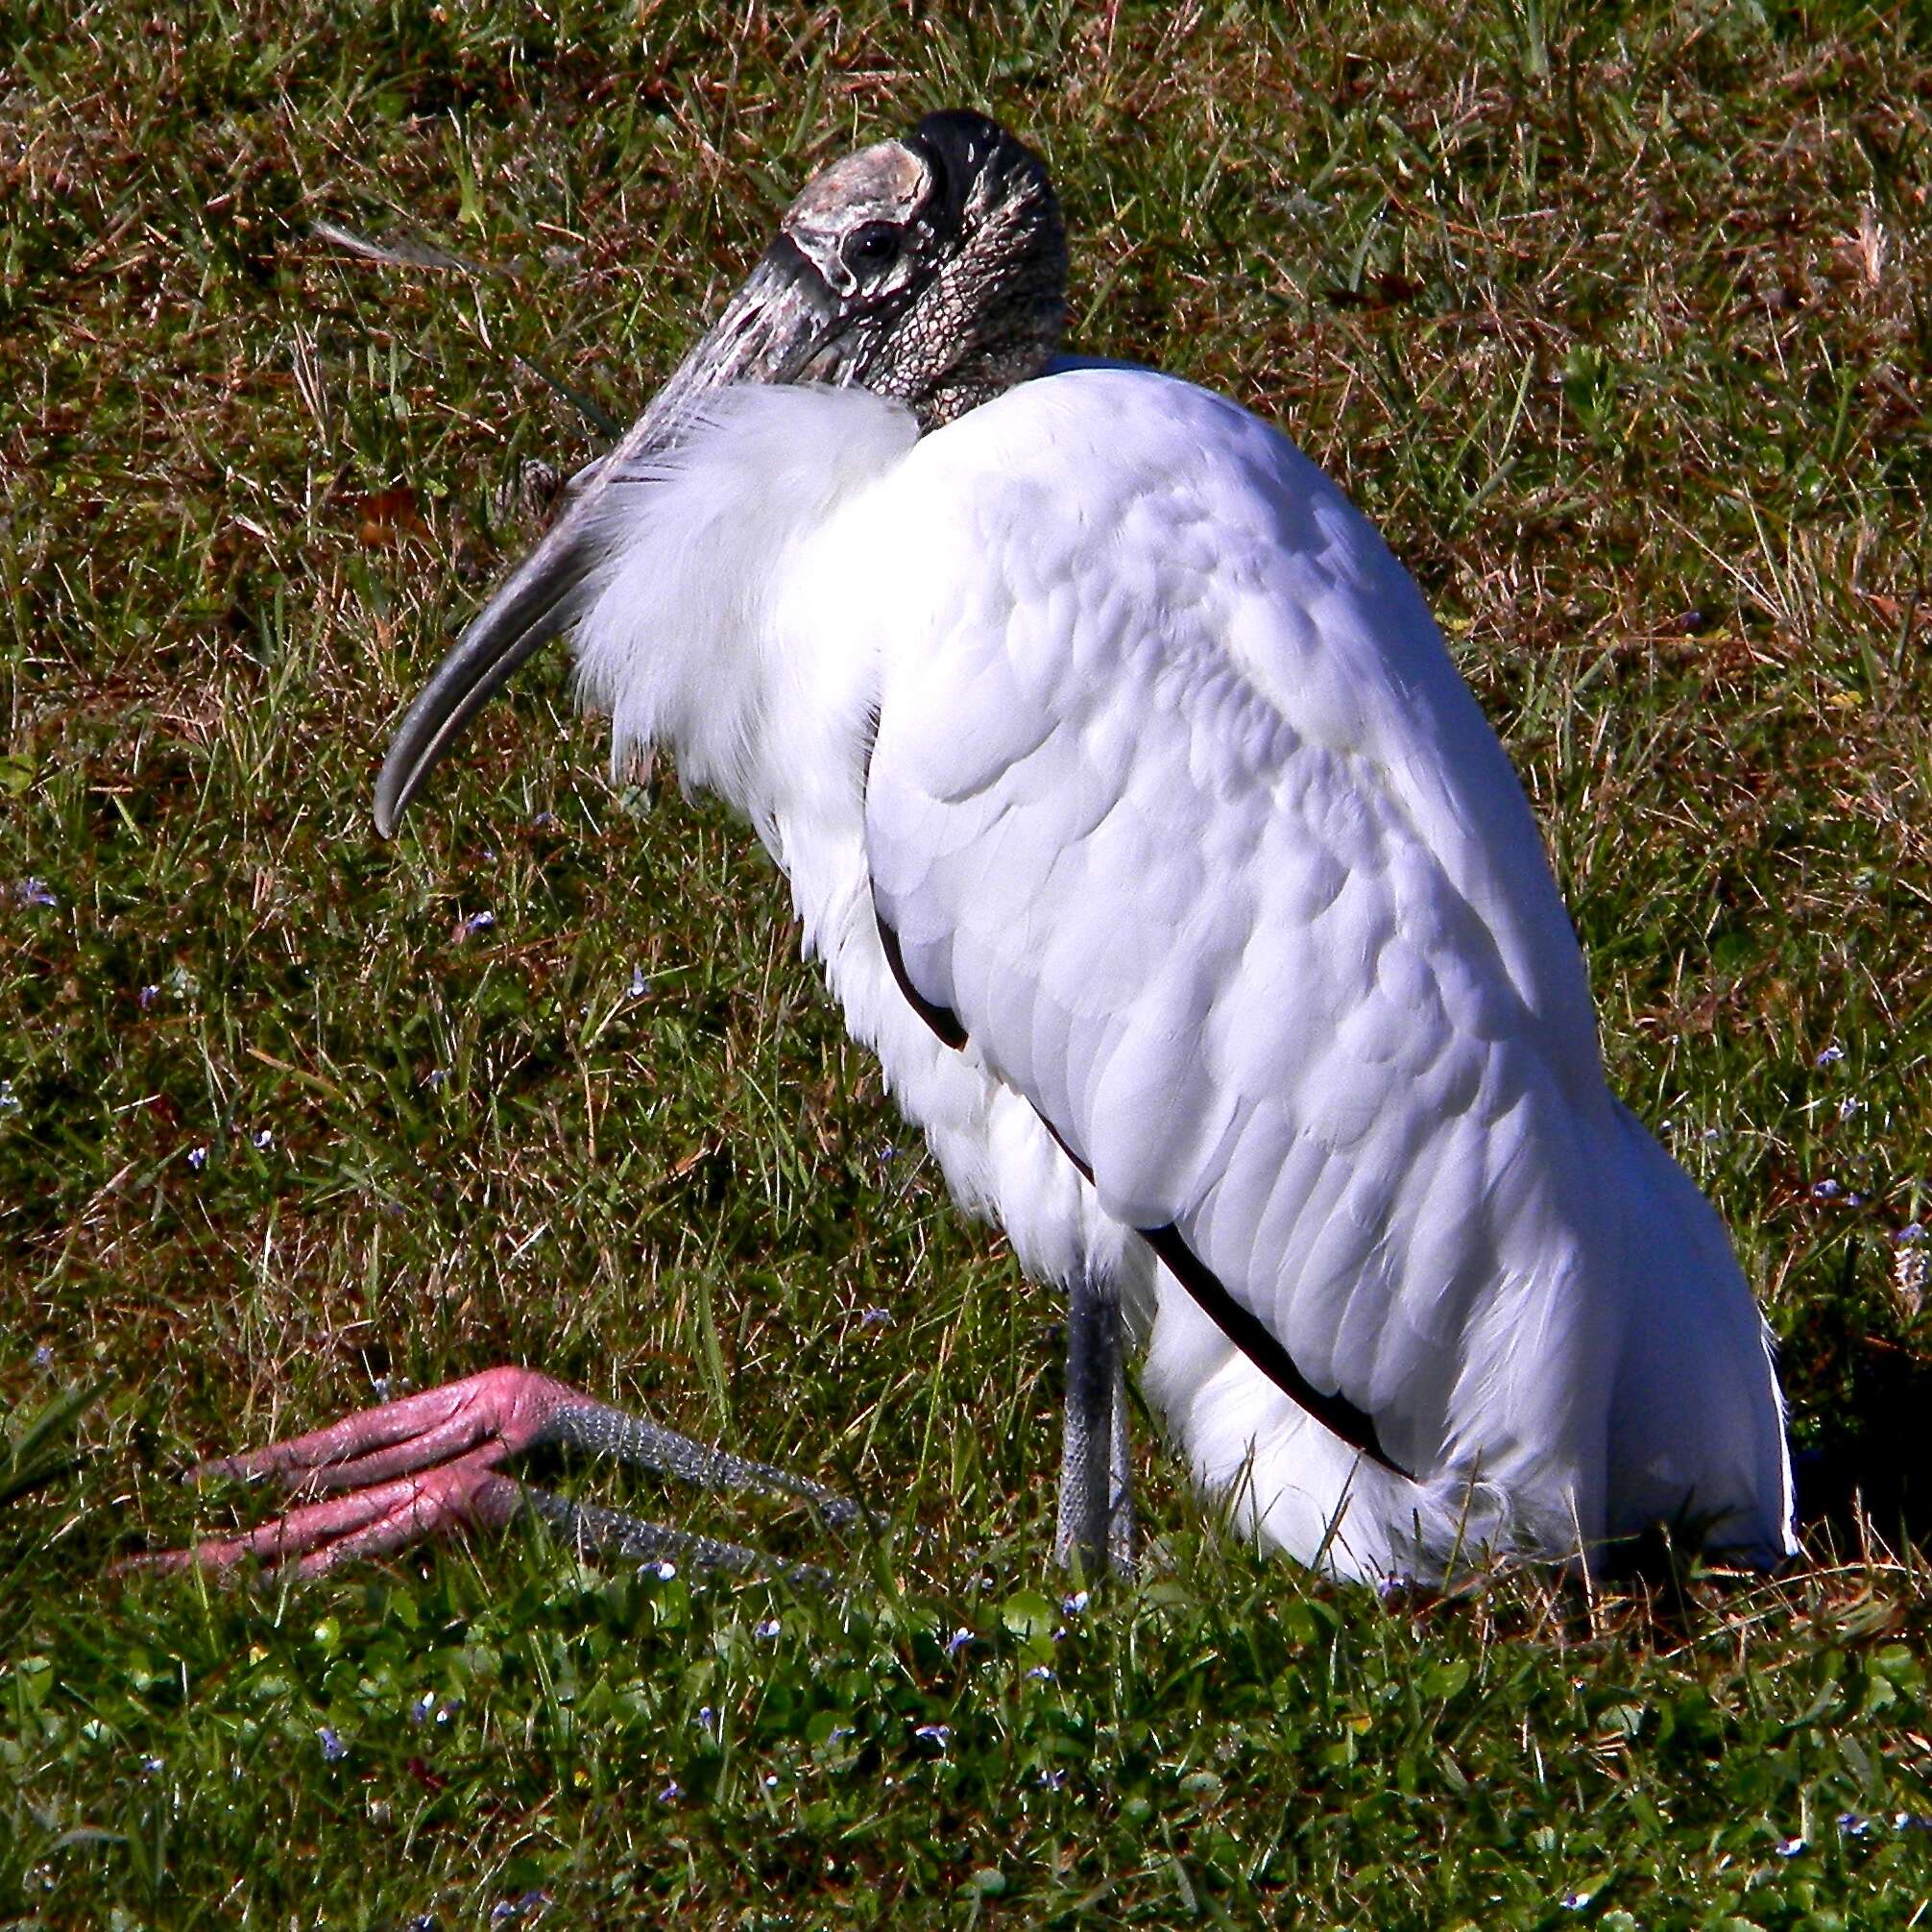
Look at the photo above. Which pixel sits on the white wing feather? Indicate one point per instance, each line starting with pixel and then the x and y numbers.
pixel 1178 802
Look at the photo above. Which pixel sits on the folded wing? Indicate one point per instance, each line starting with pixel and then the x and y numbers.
pixel 1179 807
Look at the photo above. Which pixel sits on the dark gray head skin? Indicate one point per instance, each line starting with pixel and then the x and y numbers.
pixel 960 292
pixel 932 269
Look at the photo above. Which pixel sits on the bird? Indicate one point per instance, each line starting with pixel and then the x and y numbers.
pixel 1147 833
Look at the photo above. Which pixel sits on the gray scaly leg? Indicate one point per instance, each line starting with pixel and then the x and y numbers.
pixel 1121 1537
pixel 1096 1519
pixel 599 1429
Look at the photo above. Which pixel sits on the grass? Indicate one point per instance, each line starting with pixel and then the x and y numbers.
pixel 1618 324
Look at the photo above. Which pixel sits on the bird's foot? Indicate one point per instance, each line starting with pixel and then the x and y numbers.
pixel 502 1410
pixel 430 1464
pixel 374 1520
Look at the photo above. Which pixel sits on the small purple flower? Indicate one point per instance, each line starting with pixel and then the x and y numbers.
pixel 263 1139
pixel 334 1749
pixel 707 1720
pixel 34 892
pixel 767 1629
pixel 146 997
pixel 10 1100
pixel 958 1641
pixel 478 922
pixel 1040 1673
pixel 939 1734
pixel 1072 1606
pixel 671 1793
pixel 1789 1847
pixel 1053 1780
pixel 418 1711
pixel 198 1158
pixel 640 985
pixel 876 1317
pixel 1827 1190
pixel 667 1570
pixel 43 1356
pixel 1830 1056
pixel 1853 1825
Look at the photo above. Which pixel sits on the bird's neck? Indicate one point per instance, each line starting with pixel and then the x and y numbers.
pixel 716 635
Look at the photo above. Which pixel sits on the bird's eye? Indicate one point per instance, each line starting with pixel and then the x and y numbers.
pixel 873 248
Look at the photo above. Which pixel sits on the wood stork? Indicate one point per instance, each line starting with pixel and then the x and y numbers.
pixel 1149 837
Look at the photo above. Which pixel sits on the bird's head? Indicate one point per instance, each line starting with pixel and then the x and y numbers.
pixel 943 264
pixel 930 270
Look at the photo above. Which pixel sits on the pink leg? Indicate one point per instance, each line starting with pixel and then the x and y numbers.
pixel 429 1463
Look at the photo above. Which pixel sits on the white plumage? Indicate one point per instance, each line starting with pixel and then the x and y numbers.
pixel 1150 836
pixel 1148 751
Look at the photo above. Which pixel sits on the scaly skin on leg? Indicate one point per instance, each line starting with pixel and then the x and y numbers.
pixel 592 1529
pixel 1122 1552
pixel 430 1464
pixel 1095 1515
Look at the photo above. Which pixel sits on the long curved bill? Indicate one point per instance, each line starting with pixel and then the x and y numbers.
pixel 773 331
